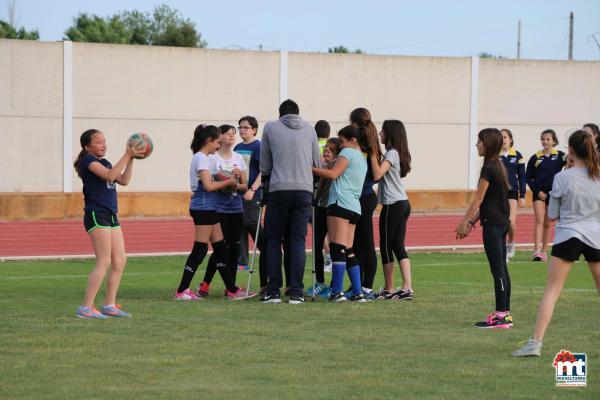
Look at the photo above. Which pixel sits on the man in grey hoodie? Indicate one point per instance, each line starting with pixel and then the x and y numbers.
pixel 288 151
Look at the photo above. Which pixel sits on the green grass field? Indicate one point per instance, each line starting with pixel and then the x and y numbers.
pixel 220 349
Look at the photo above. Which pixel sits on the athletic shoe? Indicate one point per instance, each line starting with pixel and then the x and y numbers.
pixel 370 296
pixel 532 348
pixel 348 293
pixel 320 289
pixel 402 294
pixel 240 294
pixel 186 295
pixel 296 300
pixel 114 311
pixel 539 256
pixel 270 299
pixel 494 321
pixel 383 295
pixel 359 298
pixel 89 313
pixel 203 289
pixel 327 264
pixel 243 267
pixel 511 250
pixel 337 297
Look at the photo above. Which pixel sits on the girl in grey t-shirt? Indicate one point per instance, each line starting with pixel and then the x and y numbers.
pixel 395 210
pixel 575 202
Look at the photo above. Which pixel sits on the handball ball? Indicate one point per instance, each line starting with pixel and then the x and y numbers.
pixel 223 175
pixel 139 140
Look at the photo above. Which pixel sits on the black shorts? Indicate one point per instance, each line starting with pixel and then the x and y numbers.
pixel 513 195
pixel 536 198
pixel 203 217
pixel 573 248
pixel 336 211
pixel 99 219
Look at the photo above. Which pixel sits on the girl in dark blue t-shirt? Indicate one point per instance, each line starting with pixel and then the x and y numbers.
pixel 100 220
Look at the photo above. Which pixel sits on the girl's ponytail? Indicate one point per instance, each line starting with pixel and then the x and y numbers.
pixel 582 144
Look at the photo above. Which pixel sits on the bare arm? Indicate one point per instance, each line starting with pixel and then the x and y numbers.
pixel 338 168
pixel 379 170
pixel 472 215
pixel 210 186
pixel 121 171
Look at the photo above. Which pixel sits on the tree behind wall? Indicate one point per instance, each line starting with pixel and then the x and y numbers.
pixel 8 31
pixel 161 27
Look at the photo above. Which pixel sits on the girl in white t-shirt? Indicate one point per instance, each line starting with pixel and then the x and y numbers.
pixel 575 203
pixel 203 210
pixel 229 205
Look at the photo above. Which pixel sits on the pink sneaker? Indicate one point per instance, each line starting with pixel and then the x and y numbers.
pixel 539 256
pixel 239 294
pixel 186 295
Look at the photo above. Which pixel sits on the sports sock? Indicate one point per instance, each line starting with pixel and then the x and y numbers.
pixel 338 257
pixel 191 265
pixel 211 269
pixel 220 252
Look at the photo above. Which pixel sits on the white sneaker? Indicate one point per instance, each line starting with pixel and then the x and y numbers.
pixel 511 249
pixel 327 264
pixel 532 348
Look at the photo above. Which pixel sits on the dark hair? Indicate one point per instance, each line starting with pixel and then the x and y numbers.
pixel 595 131
pixel 336 144
pixel 361 117
pixel 201 134
pixel 550 132
pixel 323 129
pixel 224 128
pixel 84 140
pixel 251 121
pixel 352 131
pixel 492 144
pixel 582 144
pixel 288 107
pixel 395 138
pixel 509 133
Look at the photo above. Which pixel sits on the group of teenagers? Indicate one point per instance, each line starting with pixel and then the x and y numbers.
pixel 299 176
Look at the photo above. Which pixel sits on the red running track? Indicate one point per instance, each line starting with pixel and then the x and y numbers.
pixel 148 236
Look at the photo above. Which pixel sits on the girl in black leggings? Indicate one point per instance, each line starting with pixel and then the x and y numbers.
pixel 395 210
pixel 491 206
pixel 364 241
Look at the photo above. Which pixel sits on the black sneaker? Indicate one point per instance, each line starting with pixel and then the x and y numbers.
pixel 359 298
pixel 296 300
pixel 270 299
pixel 403 295
pixel 383 295
pixel 337 297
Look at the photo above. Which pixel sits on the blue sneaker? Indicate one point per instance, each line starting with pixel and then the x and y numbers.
pixel 348 293
pixel 89 313
pixel 369 296
pixel 321 290
pixel 114 311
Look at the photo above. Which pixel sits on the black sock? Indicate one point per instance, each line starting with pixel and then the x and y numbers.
pixel 191 265
pixel 211 269
pixel 220 253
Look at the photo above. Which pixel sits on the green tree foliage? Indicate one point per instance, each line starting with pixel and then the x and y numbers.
pixel 488 55
pixel 343 49
pixel 163 26
pixel 7 31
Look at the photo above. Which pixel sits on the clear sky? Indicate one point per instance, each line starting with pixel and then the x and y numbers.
pixel 418 27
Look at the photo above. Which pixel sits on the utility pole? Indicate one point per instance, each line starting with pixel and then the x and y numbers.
pixel 519 42
pixel 571 36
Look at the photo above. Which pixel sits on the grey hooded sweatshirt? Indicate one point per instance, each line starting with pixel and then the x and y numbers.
pixel 289 149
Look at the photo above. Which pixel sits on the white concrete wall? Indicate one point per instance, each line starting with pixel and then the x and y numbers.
pixel 166 92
